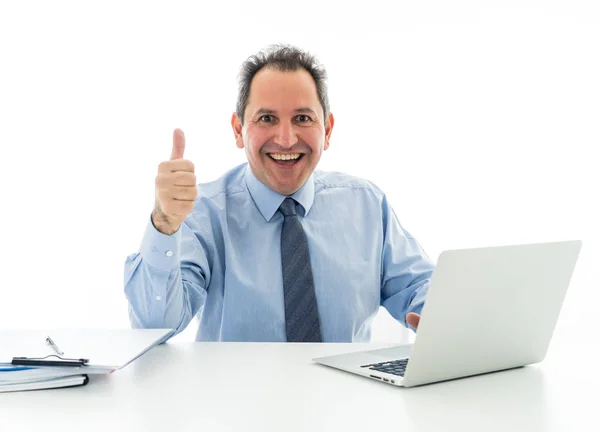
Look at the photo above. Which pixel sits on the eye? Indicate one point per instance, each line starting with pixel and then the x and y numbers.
pixel 303 118
pixel 265 118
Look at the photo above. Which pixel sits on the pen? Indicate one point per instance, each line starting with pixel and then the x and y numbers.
pixel 53 345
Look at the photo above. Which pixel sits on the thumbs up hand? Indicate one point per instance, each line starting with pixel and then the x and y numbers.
pixel 175 189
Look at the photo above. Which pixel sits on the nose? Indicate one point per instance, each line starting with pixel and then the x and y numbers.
pixel 286 135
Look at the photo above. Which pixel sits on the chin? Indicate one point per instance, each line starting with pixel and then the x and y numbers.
pixel 286 189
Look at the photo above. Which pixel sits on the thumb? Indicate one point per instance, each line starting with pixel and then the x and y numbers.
pixel 178 144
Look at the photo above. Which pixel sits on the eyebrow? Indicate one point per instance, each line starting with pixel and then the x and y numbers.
pixel 264 111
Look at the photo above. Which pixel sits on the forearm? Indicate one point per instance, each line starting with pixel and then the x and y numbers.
pixel 161 290
pixel 407 271
pixel 156 297
pixel 405 299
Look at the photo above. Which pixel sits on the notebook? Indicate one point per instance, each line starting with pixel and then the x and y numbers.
pixel 9 382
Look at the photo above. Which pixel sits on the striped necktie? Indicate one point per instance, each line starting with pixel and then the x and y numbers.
pixel 301 310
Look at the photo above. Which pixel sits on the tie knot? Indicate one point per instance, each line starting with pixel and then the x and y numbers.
pixel 288 207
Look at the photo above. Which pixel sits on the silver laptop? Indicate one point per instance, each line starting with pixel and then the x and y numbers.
pixel 487 309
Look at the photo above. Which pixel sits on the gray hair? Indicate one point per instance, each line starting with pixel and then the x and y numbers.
pixel 285 58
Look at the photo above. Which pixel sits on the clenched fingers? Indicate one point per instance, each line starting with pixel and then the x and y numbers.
pixel 179 193
pixel 179 178
pixel 176 165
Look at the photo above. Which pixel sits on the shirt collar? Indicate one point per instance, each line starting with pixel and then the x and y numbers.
pixel 268 201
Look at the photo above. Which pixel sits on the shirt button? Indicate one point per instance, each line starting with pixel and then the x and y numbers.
pixel 169 253
pixel 158 298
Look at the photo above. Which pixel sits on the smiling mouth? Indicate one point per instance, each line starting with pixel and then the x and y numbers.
pixel 286 158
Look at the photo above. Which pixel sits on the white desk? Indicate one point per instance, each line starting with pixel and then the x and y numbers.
pixel 275 387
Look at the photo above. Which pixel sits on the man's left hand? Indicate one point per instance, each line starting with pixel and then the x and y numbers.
pixel 412 319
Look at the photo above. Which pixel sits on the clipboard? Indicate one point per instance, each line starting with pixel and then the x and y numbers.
pixel 42 361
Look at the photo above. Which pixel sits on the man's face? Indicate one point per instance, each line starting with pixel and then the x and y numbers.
pixel 284 132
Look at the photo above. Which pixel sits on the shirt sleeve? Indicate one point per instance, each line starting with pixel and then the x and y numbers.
pixel 166 281
pixel 406 269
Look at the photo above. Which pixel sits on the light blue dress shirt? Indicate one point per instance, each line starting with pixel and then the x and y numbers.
pixel 224 262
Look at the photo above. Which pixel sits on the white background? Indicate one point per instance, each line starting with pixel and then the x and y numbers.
pixel 479 119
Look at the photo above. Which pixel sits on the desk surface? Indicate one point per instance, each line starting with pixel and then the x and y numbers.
pixel 276 387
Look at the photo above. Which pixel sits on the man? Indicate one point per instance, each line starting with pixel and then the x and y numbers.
pixel 274 250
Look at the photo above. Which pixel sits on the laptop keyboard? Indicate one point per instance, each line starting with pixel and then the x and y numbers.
pixel 394 367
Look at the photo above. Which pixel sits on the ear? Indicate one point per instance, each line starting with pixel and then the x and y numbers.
pixel 236 125
pixel 328 130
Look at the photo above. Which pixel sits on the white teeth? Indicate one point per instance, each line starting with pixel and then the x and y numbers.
pixel 289 156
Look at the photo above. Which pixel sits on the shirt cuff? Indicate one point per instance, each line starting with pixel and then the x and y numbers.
pixel 418 301
pixel 159 250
